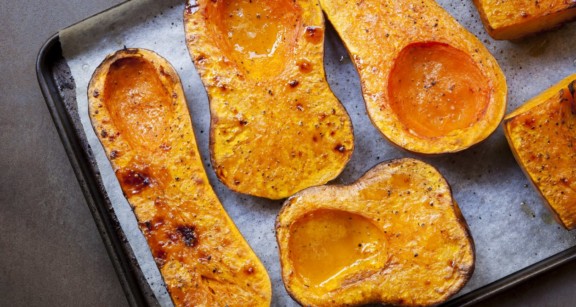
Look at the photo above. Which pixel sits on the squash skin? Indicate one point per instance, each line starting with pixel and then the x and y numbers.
pixel 426 239
pixel 542 136
pixel 202 256
pixel 380 32
pixel 510 20
pixel 278 130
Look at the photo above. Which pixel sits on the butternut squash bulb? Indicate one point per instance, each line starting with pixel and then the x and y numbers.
pixel 139 112
pixel 429 85
pixel 542 135
pixel 276 127
pixel 395 237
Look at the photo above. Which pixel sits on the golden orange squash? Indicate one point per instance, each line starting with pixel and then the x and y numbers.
pixel 139 112
pixel 276 127
pixel 395 236
pixel 542 135
pixel 514 19
pixel 429 85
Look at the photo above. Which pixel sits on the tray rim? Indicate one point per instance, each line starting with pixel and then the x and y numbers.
pixel 117 251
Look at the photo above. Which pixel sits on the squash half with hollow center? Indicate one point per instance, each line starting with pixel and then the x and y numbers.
pixel 394 237
pixel 429 85
pixel 542 136
pixel 139 112
pixel 276 127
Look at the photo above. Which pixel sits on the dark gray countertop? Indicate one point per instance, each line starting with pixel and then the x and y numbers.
pixel 50 251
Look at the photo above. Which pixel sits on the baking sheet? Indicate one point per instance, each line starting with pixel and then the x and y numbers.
pixel 511 228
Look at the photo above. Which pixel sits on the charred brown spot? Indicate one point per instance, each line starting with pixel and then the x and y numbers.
pixel 314 35
pixel 159 256
pixel 529 122
pixel 249 270
pixel 305 66
pixel 243 122
pixel 190 7
pixel 152 225
pixel 293 83
pixel 104 133
pixel 133 181
pixel 188 235
pixel 164 73
pixel 340 148
pixel 114 154
pixel 96 93
pixel 201 58
pixel 146 225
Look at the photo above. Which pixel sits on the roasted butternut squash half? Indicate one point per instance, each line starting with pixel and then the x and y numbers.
pixel 429 85
pixel 276 127
pixel 396 237
pixel 542 135
pixel 139 112
pixel 514 19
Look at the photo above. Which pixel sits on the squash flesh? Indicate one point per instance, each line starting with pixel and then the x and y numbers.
pixel 376 40
pixel 542 135
pixel 418 250
pixel 276 127
pixel 256 31
pixel 129 84
pixel 520 18
pixel 139 113
pixel 326 243
pixel 436 89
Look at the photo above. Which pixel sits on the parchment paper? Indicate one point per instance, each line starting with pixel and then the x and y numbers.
pixel 510 226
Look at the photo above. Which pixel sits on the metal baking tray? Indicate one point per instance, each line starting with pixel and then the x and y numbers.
pixel 59 90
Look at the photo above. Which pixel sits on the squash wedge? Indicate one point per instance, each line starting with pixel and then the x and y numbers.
pixel 429 85
pixel 542 136
pixel 276 127
pixel 394 237
pixel 139 112
pixel 519 18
